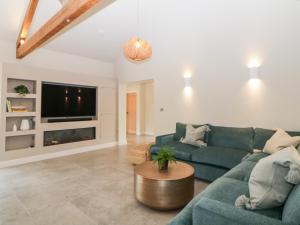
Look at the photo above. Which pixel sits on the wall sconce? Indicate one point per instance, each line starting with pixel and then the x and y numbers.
pixel 254 73
pixel 254 69
pixel 187 83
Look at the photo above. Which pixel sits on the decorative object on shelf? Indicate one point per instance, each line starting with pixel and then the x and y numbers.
pixel 137 49
pixel 8 105
pixel 22 90
pixel 25 125
pixel 19 108
pixel 15 128
pixel 163 157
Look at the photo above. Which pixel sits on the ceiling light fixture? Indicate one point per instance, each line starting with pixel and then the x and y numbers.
pixel 137 49
pixel 22 41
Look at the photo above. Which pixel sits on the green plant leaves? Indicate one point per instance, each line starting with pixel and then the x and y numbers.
pixel 164 154
pixel 22 89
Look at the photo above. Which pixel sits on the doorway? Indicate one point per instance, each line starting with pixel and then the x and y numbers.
pixel 139 111
pixel 131 113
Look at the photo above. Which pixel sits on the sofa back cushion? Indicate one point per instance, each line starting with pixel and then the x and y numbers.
pixel 231 137
pixel 261 136
pixel 181 130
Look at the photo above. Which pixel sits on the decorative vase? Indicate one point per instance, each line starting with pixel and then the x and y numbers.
pixel 164 167
pixel 15 128
pixel 24 125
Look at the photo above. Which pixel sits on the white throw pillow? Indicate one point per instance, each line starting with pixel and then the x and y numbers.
pixel 195 136
pixel 280 140
pixel 198 143
pixel 271 180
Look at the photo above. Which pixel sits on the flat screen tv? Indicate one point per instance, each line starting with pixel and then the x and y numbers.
pixel 63 100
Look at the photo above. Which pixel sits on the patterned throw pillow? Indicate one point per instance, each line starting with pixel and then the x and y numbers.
pixel 271 180
pixel 195 136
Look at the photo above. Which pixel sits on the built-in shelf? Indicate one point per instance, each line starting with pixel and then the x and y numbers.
pixel 16 95
pixel 19 133
pixel 20 114
pixel 20 149
pixel 20 142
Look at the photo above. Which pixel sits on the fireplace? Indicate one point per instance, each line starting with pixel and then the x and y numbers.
pixel 69 136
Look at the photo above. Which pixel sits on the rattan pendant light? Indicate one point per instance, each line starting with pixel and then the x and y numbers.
pixel 137 49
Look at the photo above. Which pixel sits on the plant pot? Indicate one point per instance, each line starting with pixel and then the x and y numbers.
pixel 164 167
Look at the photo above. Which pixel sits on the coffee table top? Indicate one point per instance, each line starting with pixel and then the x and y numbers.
pixel 176 171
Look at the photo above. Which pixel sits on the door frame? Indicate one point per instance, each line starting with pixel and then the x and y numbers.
pixel 122 93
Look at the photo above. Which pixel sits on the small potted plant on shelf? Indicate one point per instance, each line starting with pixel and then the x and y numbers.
pixel 163 157
pixel 22 90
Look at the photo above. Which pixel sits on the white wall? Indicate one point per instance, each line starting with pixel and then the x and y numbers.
pixel 149 108
pixel 65 68
pixel 49 59
pixel 215 42
pixel 58 61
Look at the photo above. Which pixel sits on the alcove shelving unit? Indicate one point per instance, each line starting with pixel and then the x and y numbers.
pixel 47 139
pixel 18 140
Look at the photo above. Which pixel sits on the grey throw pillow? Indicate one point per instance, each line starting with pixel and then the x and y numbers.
pixel 271 180
pixel 195 136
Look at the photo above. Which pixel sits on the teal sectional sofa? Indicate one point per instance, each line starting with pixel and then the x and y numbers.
pixel 226 147
pixel 215 205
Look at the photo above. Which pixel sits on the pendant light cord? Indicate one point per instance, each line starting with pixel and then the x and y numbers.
pixel 138 19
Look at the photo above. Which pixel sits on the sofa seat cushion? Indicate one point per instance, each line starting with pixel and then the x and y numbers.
pixel 226 190
pixel 291 213
pixel 242 171
pixel 255 157
pixel 231 137
pixel 218 156
pixel 182 151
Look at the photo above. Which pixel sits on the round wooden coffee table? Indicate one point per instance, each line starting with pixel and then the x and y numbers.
pixel 164 190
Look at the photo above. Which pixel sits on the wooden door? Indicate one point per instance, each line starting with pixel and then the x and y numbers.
pixel 131 113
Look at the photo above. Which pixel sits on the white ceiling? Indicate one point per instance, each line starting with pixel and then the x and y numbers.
pixel 164 23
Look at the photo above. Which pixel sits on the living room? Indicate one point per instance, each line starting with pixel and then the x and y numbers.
pixel 213 138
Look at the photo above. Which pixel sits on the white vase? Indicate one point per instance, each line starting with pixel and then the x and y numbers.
pixel 15 128
pixel 25 125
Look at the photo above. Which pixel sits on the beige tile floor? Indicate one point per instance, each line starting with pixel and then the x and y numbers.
pixel 94 188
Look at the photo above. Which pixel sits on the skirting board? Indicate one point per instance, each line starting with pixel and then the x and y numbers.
pixel 53 155
pixel 122 142
pixel 145 133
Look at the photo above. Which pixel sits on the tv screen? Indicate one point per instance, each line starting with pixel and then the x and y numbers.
pixel 61 100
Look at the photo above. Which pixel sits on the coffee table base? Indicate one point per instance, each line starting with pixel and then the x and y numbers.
pixel 164 194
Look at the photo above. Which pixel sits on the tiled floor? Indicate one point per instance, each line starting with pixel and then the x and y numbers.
pixel 94 188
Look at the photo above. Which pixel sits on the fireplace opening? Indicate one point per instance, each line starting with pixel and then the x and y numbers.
pixel 69 136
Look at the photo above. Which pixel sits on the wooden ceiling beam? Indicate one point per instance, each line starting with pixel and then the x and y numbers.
pixel 63 18
pixel 27 22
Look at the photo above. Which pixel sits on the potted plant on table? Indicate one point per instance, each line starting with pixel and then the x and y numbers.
pixel 163 157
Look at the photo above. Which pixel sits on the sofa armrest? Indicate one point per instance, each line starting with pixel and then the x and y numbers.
pixel 208 211
pixel 164 139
